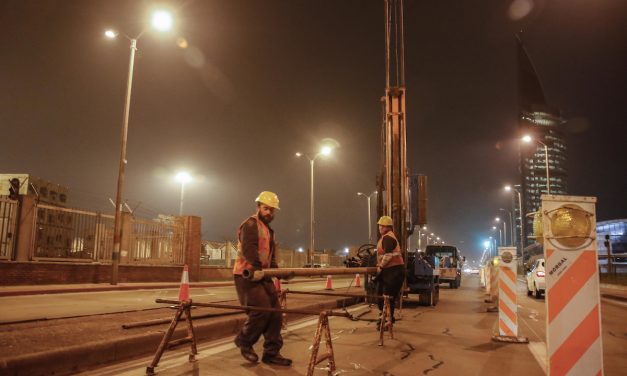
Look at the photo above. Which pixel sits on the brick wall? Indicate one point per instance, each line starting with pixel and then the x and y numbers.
pixel 43 273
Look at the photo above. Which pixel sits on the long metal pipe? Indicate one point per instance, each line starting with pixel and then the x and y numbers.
pixel 302 272
pixel 252 308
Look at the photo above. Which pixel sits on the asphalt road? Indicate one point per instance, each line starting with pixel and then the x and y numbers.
pixel 41 307
pixel 451 338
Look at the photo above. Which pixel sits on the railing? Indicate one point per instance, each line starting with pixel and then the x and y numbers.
pixel 157 243
pixel 218 254
pixel 8 215
pixel 70 234
pixel 63 234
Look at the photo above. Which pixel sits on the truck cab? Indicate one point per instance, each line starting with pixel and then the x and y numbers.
pixel 450 263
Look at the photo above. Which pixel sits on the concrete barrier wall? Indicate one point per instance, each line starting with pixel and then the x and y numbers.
pixel 45 273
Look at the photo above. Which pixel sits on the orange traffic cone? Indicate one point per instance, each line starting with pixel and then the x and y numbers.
pixel 184 291
pixel 357 280
pixel 277 284
pixel 329 283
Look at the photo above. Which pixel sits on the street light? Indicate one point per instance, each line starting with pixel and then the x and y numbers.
pixel 183 178
pixel 420 236
pixel 528 139
pixel 324 151
pixel 511 223
pixel 117 227
pixel 369 210
pixel 509 188
pixel 504 240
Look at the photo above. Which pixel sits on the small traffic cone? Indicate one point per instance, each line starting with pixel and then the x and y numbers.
pixel 277 285
pixel 184 290
pixel 357 280
pixel 329 283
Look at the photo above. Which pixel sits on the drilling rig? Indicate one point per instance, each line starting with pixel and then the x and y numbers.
pixel 393 181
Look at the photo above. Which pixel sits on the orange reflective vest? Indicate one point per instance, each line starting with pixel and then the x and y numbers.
pixel 265 249
pixel 397 257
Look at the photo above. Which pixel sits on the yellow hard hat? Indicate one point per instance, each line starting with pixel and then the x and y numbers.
pixel 268 198
pixel 386 221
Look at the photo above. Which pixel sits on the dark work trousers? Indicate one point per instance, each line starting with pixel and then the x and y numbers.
pixel 259 294
pixel 390 282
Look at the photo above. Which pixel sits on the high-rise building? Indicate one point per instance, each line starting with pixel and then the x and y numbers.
pixel 547 148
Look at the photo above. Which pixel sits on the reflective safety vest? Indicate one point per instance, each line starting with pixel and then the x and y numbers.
pixel 397 257
pixel 265 251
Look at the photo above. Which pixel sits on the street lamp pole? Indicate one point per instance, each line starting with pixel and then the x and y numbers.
pixel 498 219
pixel 325 150
pixel 117 224
pixel 522 216
pixel 369 214
pixel 511 227
pixel 161 20
pixel 311 218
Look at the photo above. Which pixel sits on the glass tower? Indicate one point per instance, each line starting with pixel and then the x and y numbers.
pixel 543 123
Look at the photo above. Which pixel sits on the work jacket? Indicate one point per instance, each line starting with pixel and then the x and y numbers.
pixel 247 256
pixel 396 256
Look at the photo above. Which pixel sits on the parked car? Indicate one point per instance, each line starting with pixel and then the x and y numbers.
pixel 535 279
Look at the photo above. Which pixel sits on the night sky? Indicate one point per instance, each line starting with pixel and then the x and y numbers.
pixel 260 80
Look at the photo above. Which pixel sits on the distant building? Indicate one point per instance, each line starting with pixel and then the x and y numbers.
pixel 543 123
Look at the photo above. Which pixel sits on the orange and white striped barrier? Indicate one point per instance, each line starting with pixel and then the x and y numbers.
pixel 572 286
pixel 493 291
pixel 184 290
pixel 508 302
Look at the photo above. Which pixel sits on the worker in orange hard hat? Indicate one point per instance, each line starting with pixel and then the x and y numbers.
pixel 390 265
pixel 256 250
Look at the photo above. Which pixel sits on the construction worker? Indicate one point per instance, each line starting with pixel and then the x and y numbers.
pixel 256 251
pixel 390 266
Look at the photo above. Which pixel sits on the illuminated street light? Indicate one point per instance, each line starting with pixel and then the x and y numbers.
pixel 183 178
pixel 160 22
pixel 111 34
pixel 528 139
pixel 324 151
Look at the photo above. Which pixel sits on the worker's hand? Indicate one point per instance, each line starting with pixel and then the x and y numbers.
pixel 378 270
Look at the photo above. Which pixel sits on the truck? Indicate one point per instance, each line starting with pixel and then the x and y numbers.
pixel 422 274
pixel 450 263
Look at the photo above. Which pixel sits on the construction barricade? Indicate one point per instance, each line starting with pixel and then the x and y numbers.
pixel 572 286
pixel 507 297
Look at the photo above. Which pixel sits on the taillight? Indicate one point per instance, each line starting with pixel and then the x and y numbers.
pixel 540 273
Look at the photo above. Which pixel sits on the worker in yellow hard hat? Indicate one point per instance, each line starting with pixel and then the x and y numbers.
pixel 390 266
pixel 255 251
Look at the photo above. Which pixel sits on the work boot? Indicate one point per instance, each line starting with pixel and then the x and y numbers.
pixel 277 360
pixel 248 353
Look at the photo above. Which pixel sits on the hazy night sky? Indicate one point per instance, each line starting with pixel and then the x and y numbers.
pixel 260 80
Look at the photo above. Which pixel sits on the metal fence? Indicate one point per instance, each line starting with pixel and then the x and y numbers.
pixel 8 216
pixel 76 235
pixel 157 243
pixel 70 234
pixel 223 254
